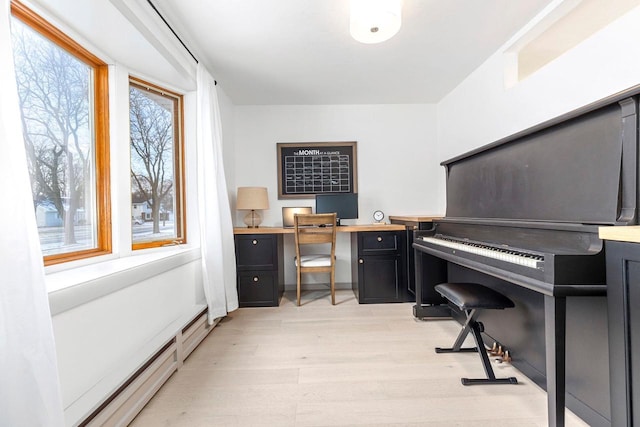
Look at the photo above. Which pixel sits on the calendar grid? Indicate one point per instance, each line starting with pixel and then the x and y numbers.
pixel 317 174
pixel 306 169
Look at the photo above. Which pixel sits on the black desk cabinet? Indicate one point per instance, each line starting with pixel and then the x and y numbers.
pixel 623 300
pixel 412 224
pixel 260 270
pixel 378 266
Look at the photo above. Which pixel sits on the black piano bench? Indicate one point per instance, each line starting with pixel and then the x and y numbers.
pixel 471 298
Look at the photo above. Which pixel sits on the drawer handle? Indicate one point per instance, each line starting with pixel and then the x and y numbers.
pixel 255 242
pixel 361 261
pixel 256 279
pixel 379 238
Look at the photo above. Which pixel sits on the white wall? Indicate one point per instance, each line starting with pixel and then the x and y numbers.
pixel 396 159
pixel 481 110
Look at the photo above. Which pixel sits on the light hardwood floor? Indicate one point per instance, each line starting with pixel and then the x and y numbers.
pixel 344 365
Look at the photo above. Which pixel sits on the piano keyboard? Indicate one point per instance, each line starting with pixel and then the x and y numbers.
pixel 500 253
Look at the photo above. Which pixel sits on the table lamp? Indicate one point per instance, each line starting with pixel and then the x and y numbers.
pixel 252 199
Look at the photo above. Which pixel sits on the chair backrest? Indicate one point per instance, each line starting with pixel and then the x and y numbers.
pixel 315 229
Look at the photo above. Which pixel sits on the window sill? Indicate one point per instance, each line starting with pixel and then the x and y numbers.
pixel 72 288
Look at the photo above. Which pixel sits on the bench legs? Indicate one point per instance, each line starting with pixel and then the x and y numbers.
pixel 475 327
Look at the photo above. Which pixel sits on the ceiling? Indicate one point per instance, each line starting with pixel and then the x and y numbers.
pixel 293 52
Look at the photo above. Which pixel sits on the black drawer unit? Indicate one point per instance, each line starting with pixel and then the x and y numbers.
pixel 259 266
pixel 378 266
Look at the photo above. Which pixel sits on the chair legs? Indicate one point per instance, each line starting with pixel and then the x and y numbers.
pixel 298 280
pixel 333 287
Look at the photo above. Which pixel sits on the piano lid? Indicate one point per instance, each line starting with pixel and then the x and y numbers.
pixel 579 170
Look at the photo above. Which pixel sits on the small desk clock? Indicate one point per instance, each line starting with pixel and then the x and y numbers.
pixel 378 215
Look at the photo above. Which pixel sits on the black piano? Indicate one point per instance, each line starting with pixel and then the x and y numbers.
pixel 522 217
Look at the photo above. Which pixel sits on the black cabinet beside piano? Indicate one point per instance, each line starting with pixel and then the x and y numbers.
pixel 623 299
pixel 412 223
pixel 259 265
pixel 378 266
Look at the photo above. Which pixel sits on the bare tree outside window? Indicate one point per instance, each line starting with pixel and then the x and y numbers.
pixel 55 95
pixel 155 166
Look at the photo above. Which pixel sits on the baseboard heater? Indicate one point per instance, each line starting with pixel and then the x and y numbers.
pixel 122 406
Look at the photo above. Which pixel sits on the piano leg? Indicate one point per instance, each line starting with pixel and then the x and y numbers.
pixel 555 311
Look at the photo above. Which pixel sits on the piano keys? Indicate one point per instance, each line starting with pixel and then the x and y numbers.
pixel 500 252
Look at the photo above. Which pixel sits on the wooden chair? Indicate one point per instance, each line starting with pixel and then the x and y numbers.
pixel 315 229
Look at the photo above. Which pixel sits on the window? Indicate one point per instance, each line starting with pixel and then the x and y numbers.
pixel 563 28
pixel 64 110
pixel 157 201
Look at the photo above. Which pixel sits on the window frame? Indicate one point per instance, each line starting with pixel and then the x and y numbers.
pixel 178 166
pixel 100 130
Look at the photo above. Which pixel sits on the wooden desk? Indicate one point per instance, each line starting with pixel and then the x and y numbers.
pixel 378 263
pixel 413 220
pixel 630 234
pixel 340 229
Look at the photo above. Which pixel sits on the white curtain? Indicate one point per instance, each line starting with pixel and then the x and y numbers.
pixel 216 227
pixel 29 385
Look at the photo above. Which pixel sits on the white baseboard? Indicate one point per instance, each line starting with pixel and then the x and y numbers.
pixel 122 406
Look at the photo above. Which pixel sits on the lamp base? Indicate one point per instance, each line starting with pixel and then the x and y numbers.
pixel 252 219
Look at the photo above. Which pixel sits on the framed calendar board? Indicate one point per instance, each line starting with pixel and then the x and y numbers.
pixel 309 168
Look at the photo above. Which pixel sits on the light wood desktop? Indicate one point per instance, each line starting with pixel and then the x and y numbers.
pixel 399 223
pixel 340 229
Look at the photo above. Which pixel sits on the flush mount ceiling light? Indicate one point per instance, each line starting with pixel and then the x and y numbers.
pixel 374 21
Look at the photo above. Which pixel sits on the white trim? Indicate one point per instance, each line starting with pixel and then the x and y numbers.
pixel 145 20
pixel 45 10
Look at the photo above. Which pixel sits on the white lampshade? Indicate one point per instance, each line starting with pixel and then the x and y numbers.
pixel 252 199
pixel 374 21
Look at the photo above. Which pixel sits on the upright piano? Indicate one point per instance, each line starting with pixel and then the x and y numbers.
pixel 523 214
